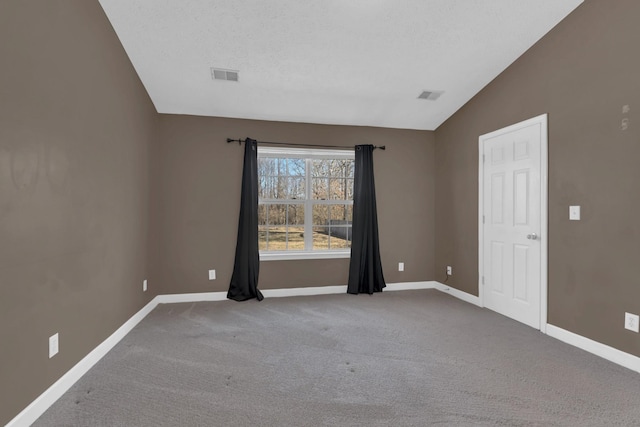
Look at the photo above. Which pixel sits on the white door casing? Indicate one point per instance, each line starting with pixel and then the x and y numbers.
pixel 513 221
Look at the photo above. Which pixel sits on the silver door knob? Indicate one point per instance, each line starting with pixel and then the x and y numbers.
pixel 532 236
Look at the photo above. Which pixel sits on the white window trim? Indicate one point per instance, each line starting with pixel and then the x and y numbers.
pixel 296 255
pixel 306 153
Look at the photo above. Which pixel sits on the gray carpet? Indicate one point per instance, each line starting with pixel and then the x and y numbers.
pixel 409 358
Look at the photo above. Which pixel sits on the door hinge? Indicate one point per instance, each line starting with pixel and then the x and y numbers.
pixel 483 280
pixel 483 219
pixel 483 158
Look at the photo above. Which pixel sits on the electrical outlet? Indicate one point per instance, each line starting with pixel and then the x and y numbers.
pixel 212 275
pixel 401 266
pixel 574 213
pixel 53 345
pixel 632 322
pixel 144 285
pixel 449 270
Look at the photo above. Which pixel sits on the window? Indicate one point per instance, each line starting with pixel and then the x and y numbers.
pixel 305 203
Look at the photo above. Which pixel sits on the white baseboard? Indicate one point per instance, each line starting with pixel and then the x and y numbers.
pixel 408 286
pixel 32 412
pixel 295 292
pixel 269 293
pixel 195 297
pixel 287 292
pixel 602 350
pixel 471 299
pixel 326 290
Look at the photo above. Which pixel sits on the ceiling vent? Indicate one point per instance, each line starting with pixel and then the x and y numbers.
pixel 222 74
pixel 431 95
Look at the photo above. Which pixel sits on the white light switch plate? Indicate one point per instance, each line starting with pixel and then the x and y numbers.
pixel 212 275
pixel 401 266
pixel 53 345
pixel 574 213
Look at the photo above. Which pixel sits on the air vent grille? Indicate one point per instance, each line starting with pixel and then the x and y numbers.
pixel 430 95
pixel 222 74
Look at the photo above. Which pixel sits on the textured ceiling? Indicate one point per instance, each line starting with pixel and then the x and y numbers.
pixel 354 62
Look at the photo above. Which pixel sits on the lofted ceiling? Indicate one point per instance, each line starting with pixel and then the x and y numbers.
pixel 349 62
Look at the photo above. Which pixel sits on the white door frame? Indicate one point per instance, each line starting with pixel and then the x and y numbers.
pixel 544 199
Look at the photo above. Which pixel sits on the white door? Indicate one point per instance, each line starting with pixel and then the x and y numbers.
pixel 513 221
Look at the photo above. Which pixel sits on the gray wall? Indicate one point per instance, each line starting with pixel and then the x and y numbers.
pixel 76 127
pixel 197 210
pixel 581 74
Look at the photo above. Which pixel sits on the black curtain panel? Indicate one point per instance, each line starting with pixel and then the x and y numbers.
pixel 365 268
pixel 246 268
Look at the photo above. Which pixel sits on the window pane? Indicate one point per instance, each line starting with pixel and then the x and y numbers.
pixel 277 238
pixel 320 215
pixel 339 188
pixel 296 214
pixel 320 238
pixel 336 169
pixel 267 166
pixel 341 168
pixel 262 237
pixel 296 188
pixel 320 168
pixel 266 171
pixel 349 189
pixel 340 237
pixel 265 187
pixel 320 188
pixel 339 215
pixel 281 227
pixel 262 214
pixel 286 167
pixel 336 188
pixel 282 190
pixel 281 178
pixel 296 238
pixel 296 167
pixel 276 214
pixel 281 167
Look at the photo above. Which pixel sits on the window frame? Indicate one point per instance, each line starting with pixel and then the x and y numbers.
pixel 309 154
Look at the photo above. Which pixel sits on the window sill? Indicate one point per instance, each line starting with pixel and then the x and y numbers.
pixel 289 256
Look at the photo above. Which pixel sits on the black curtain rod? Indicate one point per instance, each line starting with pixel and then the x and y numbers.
pixel 239 141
